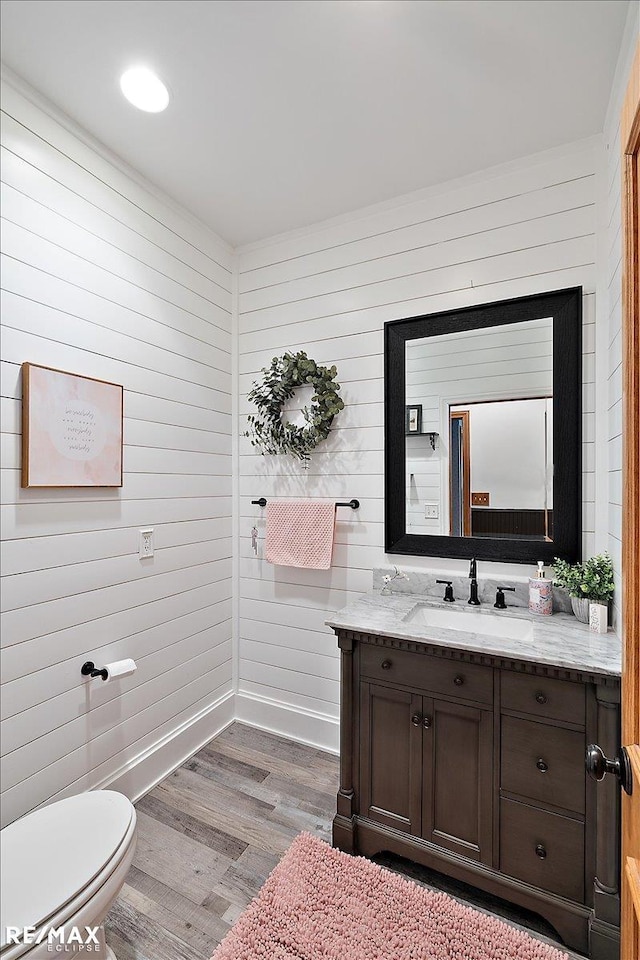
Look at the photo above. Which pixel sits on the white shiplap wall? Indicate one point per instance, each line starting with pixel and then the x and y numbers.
pixel 102 277
pixel 522 229
pixel 611 269
pixel 614 368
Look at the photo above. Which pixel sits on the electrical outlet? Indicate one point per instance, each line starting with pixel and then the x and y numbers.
pixel 431 511
pixel 145 548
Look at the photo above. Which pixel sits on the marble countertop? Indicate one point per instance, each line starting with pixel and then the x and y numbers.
pixel 559 640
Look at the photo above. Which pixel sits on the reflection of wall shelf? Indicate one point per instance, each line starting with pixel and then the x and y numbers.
pixel 427 433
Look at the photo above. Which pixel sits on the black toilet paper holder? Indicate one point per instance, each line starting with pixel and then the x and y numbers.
pixel 89 669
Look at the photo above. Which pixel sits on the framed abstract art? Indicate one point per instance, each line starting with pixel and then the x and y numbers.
pixel 71 429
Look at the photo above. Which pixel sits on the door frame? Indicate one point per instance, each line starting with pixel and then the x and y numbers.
pixel 630 140
pixel 466 472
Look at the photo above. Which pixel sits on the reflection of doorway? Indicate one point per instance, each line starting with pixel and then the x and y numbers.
pixel 459 474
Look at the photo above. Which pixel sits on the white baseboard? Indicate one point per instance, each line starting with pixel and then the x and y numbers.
pixel 145 771
pixel 315 729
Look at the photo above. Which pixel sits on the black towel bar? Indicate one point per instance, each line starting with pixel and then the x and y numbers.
pixel 354 504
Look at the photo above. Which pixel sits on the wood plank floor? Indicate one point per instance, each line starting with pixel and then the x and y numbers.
pixel 209 835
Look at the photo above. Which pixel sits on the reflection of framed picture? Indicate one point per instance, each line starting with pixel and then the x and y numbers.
pixel 71 429
pixel 413 423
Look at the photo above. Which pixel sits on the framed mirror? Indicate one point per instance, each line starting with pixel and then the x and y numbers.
pixel 483 439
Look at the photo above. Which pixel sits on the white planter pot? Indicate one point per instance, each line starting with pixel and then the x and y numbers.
pixel 580 609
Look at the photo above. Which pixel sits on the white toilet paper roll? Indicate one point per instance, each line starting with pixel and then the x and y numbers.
pixel 121 668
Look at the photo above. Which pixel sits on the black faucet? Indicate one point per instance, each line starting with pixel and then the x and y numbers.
pixel 473 593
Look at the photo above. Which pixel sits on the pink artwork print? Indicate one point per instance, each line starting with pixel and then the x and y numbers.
pixel 72 430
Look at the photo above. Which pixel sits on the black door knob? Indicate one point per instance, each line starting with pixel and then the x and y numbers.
pixel 541 851
pixel 386 664
pixel 598 766
pixel 540 698
pixel 416 719
pixel 426 723
pixel 542 765
pixel 458 680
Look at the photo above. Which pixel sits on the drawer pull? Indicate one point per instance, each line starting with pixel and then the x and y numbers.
pixel 426 723
pixel 386 664
pixel 540 698
pixel 542 765
pixel 416 719
pixel 541 851
pixel 458 680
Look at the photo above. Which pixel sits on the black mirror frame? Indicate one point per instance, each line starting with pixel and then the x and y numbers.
pixel 565 306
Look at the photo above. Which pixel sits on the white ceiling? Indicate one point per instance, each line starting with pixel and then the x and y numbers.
pixel 286 112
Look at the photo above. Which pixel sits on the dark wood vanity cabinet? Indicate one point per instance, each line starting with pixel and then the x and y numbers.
pixel 426 768
pixel 391 757
pixel 456 779
pixel 474 766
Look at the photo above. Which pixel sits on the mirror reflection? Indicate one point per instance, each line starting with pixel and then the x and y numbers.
pixel 479 432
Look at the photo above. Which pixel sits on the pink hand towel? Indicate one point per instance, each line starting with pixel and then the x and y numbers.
pixel 300 533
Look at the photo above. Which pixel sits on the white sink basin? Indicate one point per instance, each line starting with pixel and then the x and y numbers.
pixel 470 622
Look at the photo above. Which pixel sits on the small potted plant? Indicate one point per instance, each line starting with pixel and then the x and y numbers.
pixel 588 583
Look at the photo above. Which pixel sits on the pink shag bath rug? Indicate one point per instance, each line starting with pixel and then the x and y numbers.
pixel 321 904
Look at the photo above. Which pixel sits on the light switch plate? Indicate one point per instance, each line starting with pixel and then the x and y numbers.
pixel 145 547
pixel 431 511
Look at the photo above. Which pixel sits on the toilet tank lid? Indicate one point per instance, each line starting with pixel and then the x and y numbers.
pixel 49 856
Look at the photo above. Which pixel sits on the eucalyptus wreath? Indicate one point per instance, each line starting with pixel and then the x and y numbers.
pixel 281 379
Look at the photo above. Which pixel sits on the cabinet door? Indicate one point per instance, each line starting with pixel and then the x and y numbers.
pixel 457 778
pixel 391 757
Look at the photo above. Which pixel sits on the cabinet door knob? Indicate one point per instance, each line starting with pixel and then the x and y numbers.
pixel 541 851
pixel 458 680
pixel 386 664
pixel 598 766
pixel 427 722
pixel 416 719
pixel 542 766
pixel 540 698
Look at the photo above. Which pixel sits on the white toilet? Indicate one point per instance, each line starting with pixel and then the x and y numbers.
pixel 63 866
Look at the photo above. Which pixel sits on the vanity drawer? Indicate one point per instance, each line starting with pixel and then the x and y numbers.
pixel 544 763
pixel 555 699
pixel 467 681
pixel 542 848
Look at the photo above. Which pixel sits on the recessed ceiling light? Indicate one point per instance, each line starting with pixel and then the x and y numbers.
pixel 144 89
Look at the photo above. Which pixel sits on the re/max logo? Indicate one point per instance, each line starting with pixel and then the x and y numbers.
pixel 57 938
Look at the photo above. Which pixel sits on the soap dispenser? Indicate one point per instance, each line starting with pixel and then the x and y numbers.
pixel 541 592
